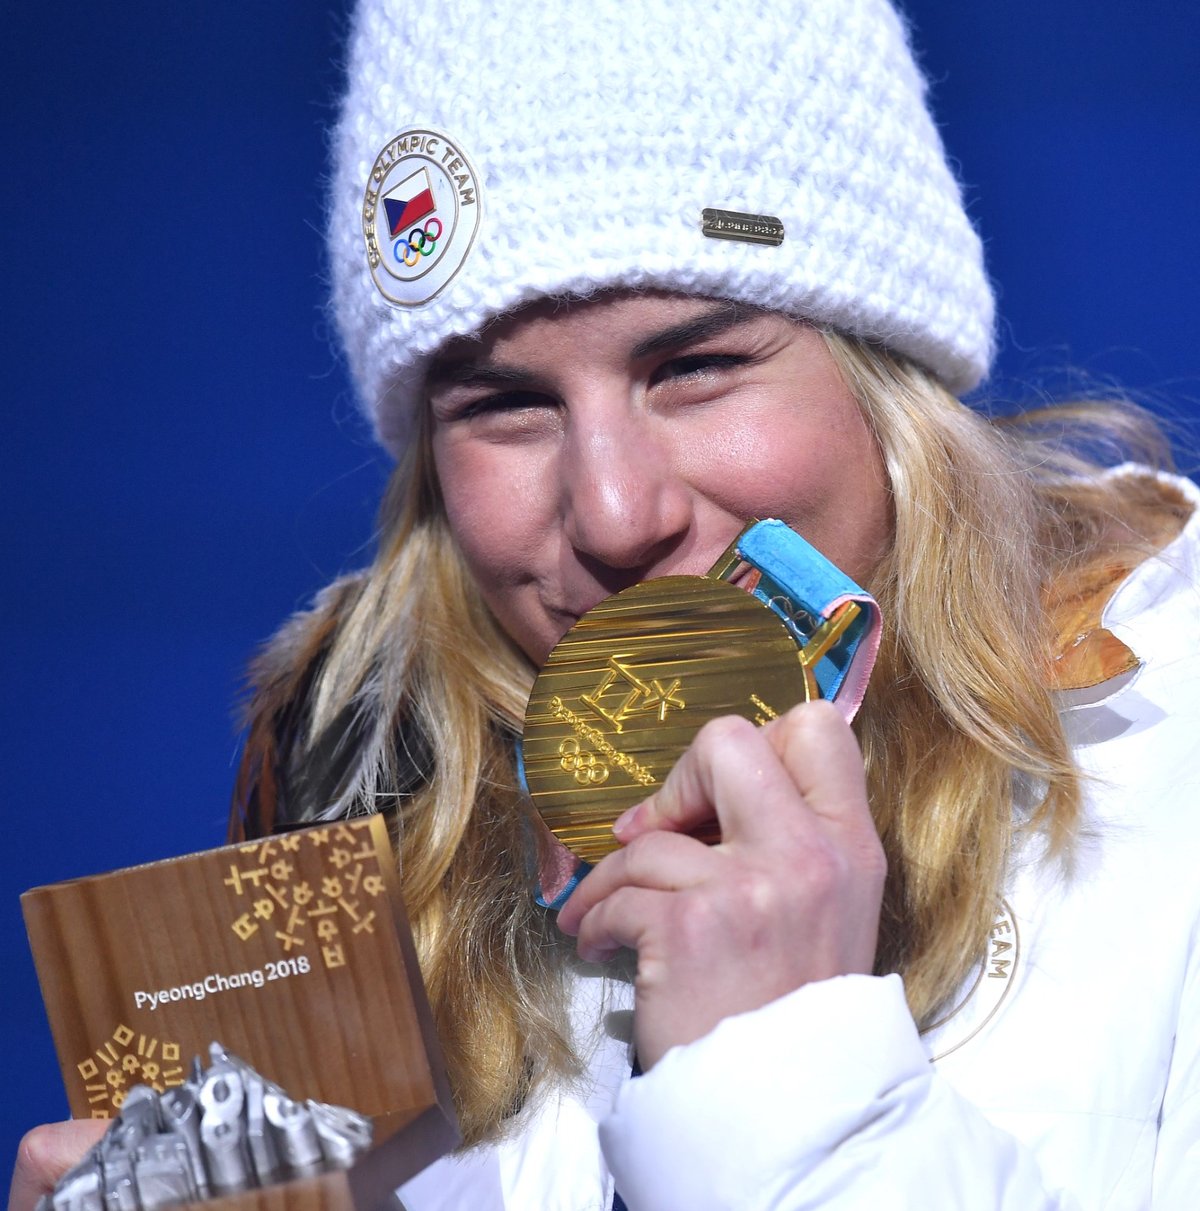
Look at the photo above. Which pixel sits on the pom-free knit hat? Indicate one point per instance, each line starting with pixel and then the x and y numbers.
pixel 491 152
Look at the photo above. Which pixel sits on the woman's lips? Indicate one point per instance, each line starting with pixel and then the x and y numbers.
pixel 749 582
pixel 745 576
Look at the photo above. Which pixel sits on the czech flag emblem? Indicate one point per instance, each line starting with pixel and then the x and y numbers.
pixel 409 202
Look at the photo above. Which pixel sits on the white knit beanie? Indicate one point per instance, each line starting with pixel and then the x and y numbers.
pixel 491 152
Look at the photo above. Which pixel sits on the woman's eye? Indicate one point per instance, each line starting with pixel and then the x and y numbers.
pixel 696 365
pixel 499 402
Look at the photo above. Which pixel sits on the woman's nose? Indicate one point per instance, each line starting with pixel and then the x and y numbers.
pixel 625 504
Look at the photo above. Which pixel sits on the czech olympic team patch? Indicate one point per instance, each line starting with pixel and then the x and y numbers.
pixel 420 215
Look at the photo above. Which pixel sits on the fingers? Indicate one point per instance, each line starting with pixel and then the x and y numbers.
pixel 620 920
pixel 755 780
pixel 731 763
pixel 791 895
pixel 660 861
pixel 688 794
pixel 45 1154
pixel 822 757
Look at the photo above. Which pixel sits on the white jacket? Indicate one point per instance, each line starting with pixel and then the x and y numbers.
pixel 1070 1078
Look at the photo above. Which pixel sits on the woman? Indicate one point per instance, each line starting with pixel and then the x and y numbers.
pixel 589 382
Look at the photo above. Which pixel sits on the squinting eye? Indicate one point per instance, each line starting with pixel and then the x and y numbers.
pixel 500 401
pixel 696 364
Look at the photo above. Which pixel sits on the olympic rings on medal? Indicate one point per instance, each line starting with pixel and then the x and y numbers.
pixel 587 768
pixel 421 242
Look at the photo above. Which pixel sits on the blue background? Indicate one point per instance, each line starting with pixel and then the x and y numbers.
pixel 181 458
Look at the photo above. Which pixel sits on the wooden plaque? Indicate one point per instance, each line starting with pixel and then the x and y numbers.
pixel 293 952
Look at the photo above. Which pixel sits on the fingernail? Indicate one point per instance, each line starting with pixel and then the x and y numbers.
pixel 624 822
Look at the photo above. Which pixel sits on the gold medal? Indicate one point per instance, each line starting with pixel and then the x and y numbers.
pixel 628 687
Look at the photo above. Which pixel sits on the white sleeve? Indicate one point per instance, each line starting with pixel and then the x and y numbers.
pixel 1177 1157
pixel 823 1099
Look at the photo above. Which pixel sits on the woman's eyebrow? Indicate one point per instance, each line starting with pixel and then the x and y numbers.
pixel 702 327
pixel 465 372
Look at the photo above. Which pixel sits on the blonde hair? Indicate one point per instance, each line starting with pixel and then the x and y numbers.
pixel 403 684
pixel 960 719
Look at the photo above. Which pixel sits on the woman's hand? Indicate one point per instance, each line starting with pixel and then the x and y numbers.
pixel 789 896
pixel 45 1154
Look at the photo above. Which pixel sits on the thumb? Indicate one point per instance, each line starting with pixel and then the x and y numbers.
pixel 45 1154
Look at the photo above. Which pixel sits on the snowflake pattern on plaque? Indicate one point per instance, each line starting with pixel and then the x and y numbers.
pixel 329 908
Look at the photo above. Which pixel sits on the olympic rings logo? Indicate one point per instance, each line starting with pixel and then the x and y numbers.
pixel 795 616
pixel 589 770
pixel 421 242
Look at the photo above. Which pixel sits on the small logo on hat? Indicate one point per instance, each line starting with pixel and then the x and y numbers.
pixel 736 225
pixel 420 215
